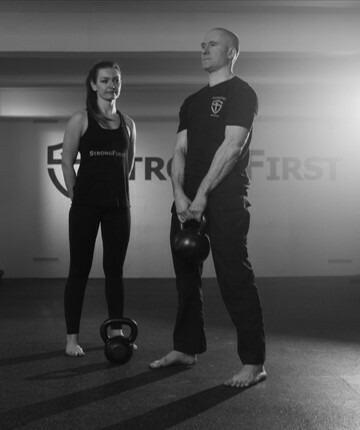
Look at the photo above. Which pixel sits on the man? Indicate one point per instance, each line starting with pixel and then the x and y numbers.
pixel 208 176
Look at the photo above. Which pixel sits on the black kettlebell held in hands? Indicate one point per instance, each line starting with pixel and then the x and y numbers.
pixel 191 244
pixel 119 349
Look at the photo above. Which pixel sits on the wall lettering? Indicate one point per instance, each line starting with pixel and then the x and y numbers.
pixel 276 168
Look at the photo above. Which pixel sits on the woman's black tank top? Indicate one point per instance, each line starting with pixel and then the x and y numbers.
pixel 102 178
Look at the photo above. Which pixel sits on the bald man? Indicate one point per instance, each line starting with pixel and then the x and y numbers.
pixel 209 177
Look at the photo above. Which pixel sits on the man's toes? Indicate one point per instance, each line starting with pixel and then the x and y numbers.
pixel 237 383
pixel 229 383
pixel 155 364
pixel 168 360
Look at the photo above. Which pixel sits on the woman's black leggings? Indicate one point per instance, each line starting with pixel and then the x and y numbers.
pixel 84 224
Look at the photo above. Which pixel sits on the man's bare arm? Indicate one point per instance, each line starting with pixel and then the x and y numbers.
pixel 182 202
pixel 222 164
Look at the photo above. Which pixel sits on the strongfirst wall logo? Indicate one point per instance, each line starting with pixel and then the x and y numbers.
pixel 274 168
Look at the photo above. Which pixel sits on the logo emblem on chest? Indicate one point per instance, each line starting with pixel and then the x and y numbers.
pixel 216 106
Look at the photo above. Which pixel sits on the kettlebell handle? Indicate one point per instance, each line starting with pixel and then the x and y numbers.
pixel 126 321
pixel 202 226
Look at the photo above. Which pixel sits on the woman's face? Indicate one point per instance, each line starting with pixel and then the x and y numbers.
pixel 108 84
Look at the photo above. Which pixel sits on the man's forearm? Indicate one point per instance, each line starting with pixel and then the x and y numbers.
pixel 177 173
pixel 222 164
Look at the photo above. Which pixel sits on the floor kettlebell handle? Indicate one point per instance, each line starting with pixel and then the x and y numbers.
pixel 103 330
pixel 126 321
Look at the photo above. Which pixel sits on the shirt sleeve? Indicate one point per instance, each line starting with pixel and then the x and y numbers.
pixel 242 108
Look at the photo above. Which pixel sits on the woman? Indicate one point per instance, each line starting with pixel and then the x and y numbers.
pixel 99 192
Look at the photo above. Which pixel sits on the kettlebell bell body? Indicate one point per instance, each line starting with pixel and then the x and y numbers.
pixel 191 244
pixel 118 349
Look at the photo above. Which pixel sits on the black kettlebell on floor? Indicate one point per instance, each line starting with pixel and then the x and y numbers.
pixel 191 244
pixel 119 349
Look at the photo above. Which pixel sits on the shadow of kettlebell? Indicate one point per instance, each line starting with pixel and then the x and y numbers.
pixel 119 349
pixel 191 244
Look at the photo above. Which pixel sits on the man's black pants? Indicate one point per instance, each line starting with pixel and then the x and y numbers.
pixel 227 226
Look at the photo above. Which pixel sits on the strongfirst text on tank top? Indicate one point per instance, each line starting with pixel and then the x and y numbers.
pixel 106 154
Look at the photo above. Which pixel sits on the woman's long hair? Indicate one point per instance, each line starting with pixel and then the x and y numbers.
pixel 91 96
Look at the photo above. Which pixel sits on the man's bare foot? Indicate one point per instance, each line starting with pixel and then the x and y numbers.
pixel 249 375
pixel 73 349
pixel 174 358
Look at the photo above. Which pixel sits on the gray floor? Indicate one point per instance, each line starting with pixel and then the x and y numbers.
pixel 313 361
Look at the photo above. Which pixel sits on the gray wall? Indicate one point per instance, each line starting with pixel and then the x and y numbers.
pixel 302 60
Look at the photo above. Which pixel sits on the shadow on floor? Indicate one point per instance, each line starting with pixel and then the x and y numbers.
pixel 176 412
pixel 16 417
pixel 38 357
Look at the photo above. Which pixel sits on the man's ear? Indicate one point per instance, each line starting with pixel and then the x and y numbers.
pixel 232 53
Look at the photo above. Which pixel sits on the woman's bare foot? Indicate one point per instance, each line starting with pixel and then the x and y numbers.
pixel 174 358
pixel 73 349
pixel 249 375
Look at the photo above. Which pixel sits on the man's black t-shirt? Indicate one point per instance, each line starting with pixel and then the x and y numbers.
pixel 205 116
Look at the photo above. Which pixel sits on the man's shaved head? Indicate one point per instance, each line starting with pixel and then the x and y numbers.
pixel 231 37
